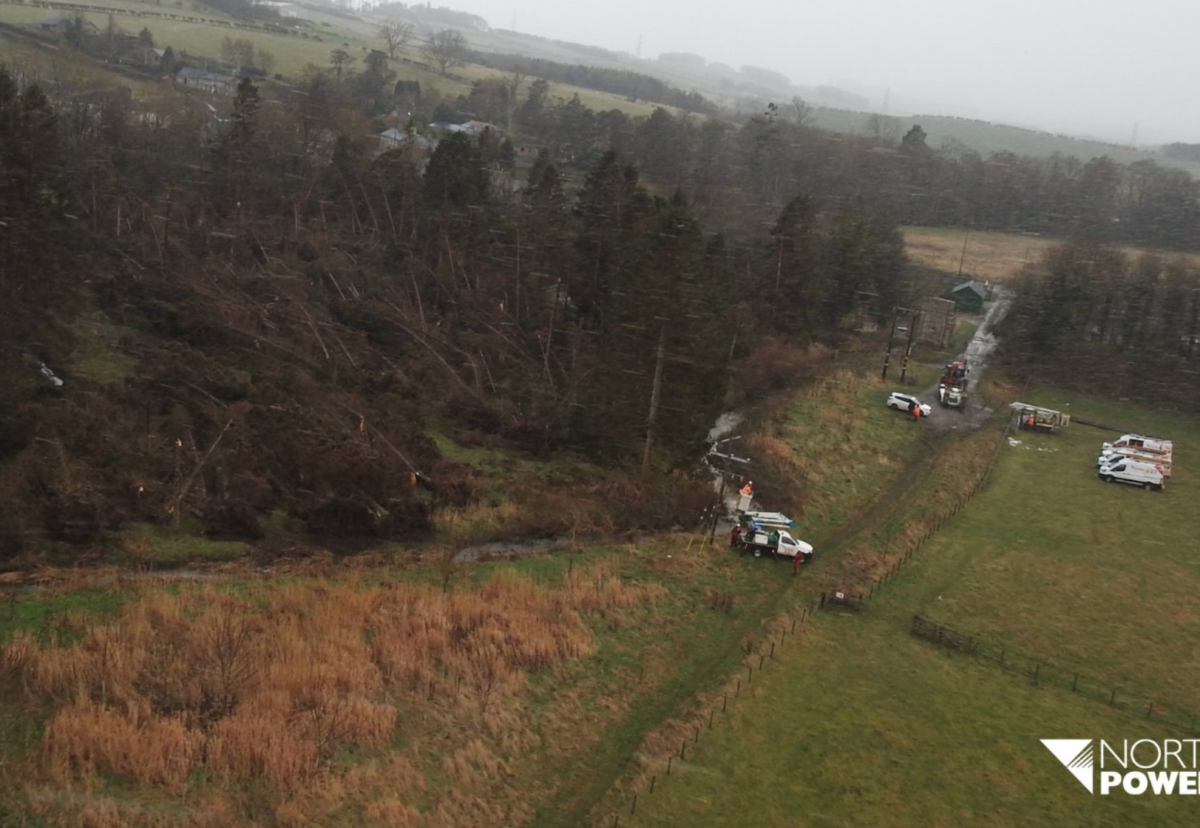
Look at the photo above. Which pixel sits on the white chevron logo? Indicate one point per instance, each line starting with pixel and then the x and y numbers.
pixel 1076 756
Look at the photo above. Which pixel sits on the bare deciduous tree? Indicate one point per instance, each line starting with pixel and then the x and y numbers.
pixel 396 35
pixel 512 86
pixel 238 51
pixel 801 111
pixel 447 49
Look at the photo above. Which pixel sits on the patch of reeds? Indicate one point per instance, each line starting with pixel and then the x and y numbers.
pixel 270 686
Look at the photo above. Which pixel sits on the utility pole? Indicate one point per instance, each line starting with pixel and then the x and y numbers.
pixel 891 335
pixel 1191 350
pixel 655 393
pixel 913 321
pixel 727 458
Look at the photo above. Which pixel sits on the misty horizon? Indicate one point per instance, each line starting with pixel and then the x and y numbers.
pixel 1089 70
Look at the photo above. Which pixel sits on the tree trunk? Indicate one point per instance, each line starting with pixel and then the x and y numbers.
pixel 655 393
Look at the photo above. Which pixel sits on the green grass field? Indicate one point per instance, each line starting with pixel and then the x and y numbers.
pixel 863 724
pixel 1101 579
pixel 293 53
pixel 857 723
pixel 986 138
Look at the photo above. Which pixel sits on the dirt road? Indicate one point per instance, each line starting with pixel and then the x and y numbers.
pixel 978 354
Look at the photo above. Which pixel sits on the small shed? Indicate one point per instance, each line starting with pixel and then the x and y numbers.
pixel 970 296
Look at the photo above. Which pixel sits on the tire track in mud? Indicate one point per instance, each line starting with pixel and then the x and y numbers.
pixel 916 474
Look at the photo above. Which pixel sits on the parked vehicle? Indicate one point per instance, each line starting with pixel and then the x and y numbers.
pixel 1036 418
pixel 783 546
pixel 1149 476
pixel 768 519
pixel 1147 445
pixel 952 387
pixel 1112 455
pixel 902 402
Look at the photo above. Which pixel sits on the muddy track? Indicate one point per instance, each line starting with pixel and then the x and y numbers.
pixel 940 436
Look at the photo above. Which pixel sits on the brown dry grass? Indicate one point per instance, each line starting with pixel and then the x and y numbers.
pixel 273 688
pixel 995 257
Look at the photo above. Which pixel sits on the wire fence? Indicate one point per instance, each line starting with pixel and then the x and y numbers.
pixel 756 660
pixel 759 658
pixel 1042 672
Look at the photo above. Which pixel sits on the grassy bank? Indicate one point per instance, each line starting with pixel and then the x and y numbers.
pixel 861 724
pixel 857 722
pixel 472 739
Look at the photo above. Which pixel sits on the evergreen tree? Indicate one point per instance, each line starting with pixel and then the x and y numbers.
pixel 33 203
pixel 237 151
pixel 603 209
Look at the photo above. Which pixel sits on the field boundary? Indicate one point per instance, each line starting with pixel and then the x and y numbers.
pixel 1040 672
pixel 790 625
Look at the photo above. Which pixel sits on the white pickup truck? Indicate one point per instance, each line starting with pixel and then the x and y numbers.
pixel 760 543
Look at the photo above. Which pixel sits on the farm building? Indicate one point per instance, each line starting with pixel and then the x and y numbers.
pixel 970 296
pixel 60 24
pixel 208 81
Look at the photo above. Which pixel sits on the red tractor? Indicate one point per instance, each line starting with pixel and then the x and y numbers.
pixel 952 387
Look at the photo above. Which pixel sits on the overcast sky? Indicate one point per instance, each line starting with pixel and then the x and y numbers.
pixel 1092 67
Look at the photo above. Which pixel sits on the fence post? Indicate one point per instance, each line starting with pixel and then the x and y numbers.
pixel 761 659
pixel 738 691
pixel 1149 710
pixel 793 624
pixel 1113 697
pixel 633 807
pixel 749 674
pixel 653 779
pixel 1074 682
pixel 822 604
pixel 725 703
pixel 616 820
pixel 697 736
pixel 670 759
pixel 1037 668
pixel 772 649
pixel 683 750
pixel 711 713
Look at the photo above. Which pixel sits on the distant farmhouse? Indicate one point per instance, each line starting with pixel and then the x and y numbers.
pixel 394 138
pixel 284 9
pixel 60 24
pixel 472 128
pixel 213 82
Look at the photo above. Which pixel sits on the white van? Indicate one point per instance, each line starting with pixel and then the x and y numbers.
pixel 1134 472
pixel 1111 455
pixel 1147 445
